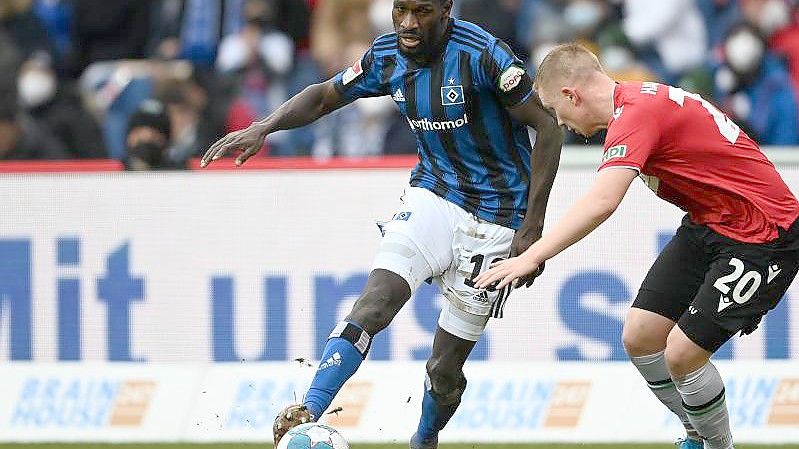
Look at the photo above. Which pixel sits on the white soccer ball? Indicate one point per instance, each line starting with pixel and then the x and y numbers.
pixel 312 436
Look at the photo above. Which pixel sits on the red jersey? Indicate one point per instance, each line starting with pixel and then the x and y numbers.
pixel 692 155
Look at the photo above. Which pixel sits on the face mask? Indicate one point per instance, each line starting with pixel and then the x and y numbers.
pixel 774 15
pixel 35 88
pixel 744 52
pixel 149 152
pixel 582 15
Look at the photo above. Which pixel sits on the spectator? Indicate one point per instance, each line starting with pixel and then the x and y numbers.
pixel 754 88
pixel 719 16
pixel 338 39
pixel 779 25
pixel 193 29
pixel 494 16
pixel 109 30
pixel 585 18
pixel 9 61
pixel 768 16
pixel 59 109
pixel 336 27
pixel 194 128
pixel 259 44
pixel 260 57
pixel 21 138
pixel 294 19
pixel 674 29
pixel 24 28
pixel 57 18
pixel 148 139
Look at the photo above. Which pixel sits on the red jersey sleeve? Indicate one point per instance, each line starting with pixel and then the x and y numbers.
pixel 632 136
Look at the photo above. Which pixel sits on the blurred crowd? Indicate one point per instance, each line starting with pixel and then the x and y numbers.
pixel 153 82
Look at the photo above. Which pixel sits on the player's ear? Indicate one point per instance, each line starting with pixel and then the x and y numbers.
pixel 571 95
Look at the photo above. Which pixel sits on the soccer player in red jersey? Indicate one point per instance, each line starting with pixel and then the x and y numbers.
pixel 731 260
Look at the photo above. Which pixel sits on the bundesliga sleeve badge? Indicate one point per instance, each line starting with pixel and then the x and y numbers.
pixel 352 73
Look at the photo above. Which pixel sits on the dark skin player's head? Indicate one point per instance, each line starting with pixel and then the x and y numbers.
pixel 420 26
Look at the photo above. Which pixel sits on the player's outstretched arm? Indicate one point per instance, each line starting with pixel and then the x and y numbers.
pixel 544 160
pixel 591 210
pixel 306 107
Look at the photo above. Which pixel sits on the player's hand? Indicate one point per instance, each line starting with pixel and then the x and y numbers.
pixel 248 140
pixel 522 240
pixel 506 271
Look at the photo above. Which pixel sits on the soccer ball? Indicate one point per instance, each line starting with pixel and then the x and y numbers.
pixel 312 436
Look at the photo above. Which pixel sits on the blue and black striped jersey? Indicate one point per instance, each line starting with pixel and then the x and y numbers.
pixel 471 152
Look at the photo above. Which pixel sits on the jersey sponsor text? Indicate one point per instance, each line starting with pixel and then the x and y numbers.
pixel 428 125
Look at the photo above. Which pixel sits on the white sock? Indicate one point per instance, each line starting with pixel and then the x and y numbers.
pixel 703 399
pixel 656 373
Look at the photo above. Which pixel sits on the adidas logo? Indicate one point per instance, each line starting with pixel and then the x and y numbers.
pixel 398 96
pixel 334 360
pixel 481 296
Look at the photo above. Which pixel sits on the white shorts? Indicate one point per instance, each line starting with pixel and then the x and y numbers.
pixel 430 237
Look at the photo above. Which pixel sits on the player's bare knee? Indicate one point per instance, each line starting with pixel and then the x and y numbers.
pixel 639 341
pixel 375 309
pixel 634 340
pixel 372 318
pixel 683 355
pixel 446 380
pixel 679 360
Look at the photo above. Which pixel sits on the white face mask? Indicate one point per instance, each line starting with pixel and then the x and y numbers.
pixel 774 15
pixel 744 52
pixel 35 88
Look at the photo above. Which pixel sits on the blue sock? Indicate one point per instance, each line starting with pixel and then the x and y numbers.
pixel 434 415
pixel 345 350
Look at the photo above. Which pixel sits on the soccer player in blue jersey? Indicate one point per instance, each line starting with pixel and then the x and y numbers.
pixel 478 193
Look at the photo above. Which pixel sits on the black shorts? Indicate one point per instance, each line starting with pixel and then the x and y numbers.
pixel 713 286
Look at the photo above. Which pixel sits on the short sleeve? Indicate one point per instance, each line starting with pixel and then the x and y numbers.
pixel 361 80
pixel 632 137
pixel 506 74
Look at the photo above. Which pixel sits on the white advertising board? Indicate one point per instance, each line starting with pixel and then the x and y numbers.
pixel 504 402
pixel 261 265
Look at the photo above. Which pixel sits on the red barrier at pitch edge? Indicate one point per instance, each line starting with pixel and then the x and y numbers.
pixel 308 163
pixel 68 166
pixel 288 163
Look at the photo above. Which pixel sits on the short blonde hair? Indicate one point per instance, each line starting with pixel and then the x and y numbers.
pixel 566 63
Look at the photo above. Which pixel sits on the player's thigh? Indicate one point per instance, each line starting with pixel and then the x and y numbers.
pixel 475 245
pixel 683 355
pixel 673 280
pixel 416 242
pixel 744 282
